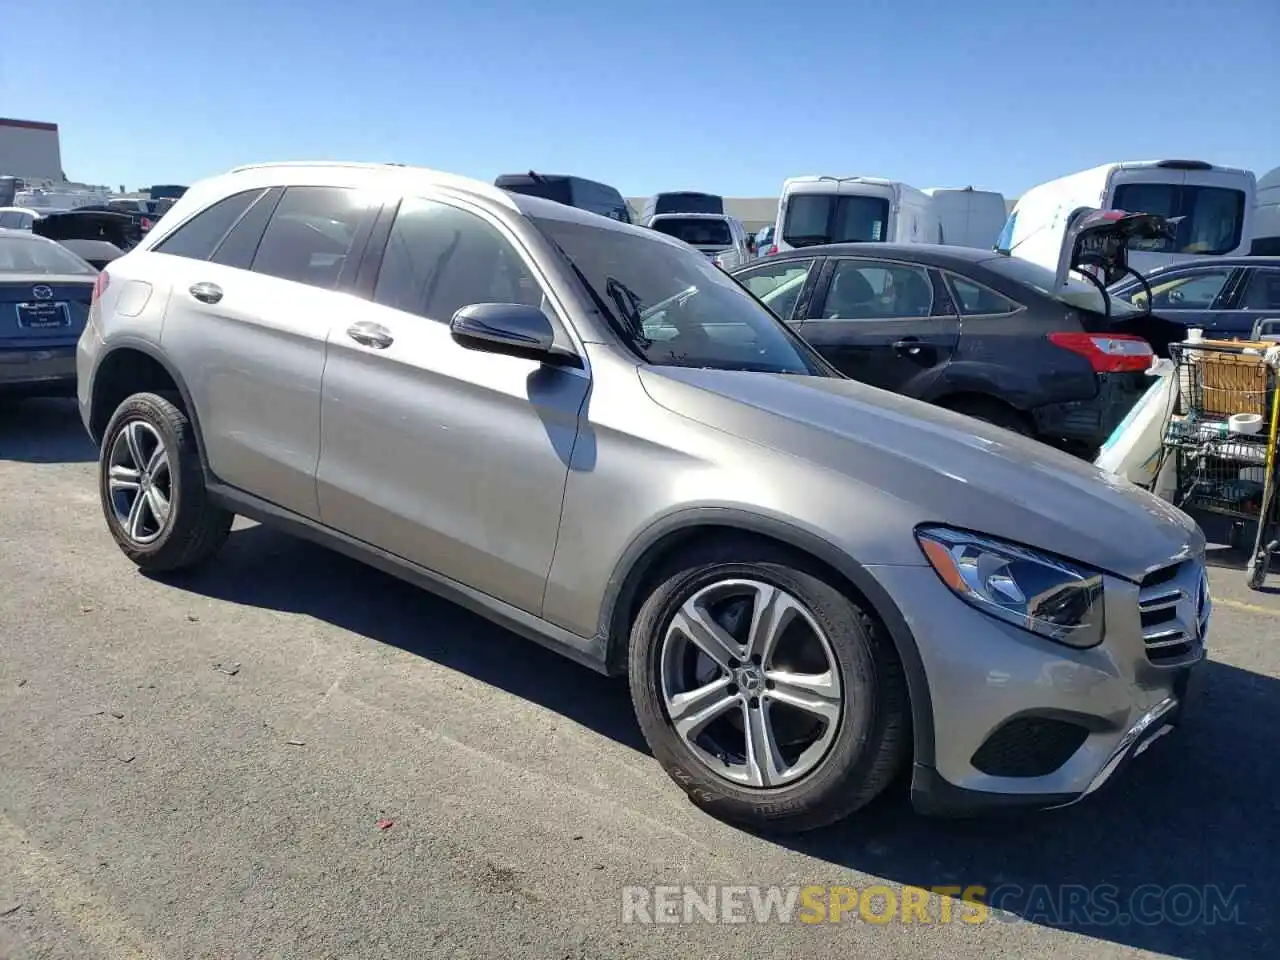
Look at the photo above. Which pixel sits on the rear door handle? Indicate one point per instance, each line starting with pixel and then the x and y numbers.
pixel 206 292
pixel 908 345
pixel 370 334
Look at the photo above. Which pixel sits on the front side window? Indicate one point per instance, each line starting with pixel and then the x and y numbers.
pixel 199 237
pixel 1263 291
pixel 1188 291
pixel 976 300
pixel 1211 218
pixel 696 231
pixel 31 255
pixel 778 285
pixel 310 234
pixel 814 218
pixel 673 307
pixel 439 258
pixel 863 290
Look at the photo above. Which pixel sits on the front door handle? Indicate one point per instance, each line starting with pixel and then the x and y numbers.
pixel 206 292
pixel 370 334
pixel 908 345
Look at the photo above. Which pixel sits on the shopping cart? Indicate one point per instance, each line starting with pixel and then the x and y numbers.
pixel 1222 438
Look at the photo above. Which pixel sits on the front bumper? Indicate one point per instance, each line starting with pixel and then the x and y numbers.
pixel 1022 722
pixel 1090 422
pixel 36 370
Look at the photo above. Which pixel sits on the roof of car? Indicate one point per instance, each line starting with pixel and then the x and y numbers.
pixel 936 254
pixel 398 176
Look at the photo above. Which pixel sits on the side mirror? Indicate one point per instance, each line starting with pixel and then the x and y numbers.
pixel 512 329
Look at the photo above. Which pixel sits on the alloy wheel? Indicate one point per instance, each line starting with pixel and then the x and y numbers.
pixel 140 482
pixel 751 683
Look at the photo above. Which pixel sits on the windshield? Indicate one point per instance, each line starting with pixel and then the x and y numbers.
pixel 813 218
pixel 688 203
pixel 1212 218
pixel 31 255
pixel 674 307
pixel 1074 293
pixel 696 231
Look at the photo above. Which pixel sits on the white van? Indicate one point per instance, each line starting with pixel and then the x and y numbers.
pixel 969 217
pixel 1211 206
pixel 1266 216
pixel 814 210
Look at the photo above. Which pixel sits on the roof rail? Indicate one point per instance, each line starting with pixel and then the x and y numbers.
pixel 359 164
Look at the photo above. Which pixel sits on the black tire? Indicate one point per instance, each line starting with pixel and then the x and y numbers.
pixel 872 742
pixel 1256 571
pixel 993 412
pixel 195 528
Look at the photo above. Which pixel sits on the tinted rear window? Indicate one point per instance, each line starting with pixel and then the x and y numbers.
pixel 688 203
pixel 1212 217
pixel 30 255
pixel 696 231
pixel 814 218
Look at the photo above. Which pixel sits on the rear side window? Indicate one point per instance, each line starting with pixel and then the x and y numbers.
pixel 696 231
pixel 240 245
pixel 439 258
pixel 864 290
pixel 199 237
pixel 310 235
pixel 976 300
pixel 1263 292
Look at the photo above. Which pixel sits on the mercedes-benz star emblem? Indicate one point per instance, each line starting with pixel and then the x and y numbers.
pixel 42 292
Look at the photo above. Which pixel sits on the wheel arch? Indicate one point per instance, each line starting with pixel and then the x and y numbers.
pixel 132 366
pixel 646 553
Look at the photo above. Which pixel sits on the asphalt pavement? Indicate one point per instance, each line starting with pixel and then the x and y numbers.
pixel 291 755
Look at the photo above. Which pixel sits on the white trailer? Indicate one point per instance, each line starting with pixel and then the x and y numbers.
pixel 969 217
pixel 1211 207
pixel 823 209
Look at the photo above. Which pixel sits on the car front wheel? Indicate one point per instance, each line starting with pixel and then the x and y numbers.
pixel 765 692
pixel 152 487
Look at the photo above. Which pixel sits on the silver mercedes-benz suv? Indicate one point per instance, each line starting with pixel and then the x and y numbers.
pixel 586 431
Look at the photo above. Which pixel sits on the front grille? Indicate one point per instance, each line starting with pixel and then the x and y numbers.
pixel 1173 605
pixel 1029 747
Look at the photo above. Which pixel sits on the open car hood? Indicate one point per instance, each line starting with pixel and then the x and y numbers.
pixel 118 229
pixel 1100 239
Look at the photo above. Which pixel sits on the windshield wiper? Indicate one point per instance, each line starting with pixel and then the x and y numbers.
pixel 629 303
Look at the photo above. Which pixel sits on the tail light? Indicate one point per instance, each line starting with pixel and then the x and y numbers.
pixel 773 248
pixel 147 224
pixel 1108 352
pixel 99 287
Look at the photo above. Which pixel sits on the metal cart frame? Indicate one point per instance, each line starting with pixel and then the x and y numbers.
pixel 1225 479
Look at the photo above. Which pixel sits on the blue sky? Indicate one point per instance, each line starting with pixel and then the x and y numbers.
pixel 729 96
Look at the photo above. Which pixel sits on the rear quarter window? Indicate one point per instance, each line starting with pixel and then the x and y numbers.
pixel 199 237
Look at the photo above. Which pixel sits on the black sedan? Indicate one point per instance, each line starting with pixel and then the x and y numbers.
pixel 993 336
pixel 1224 296
pixel 45 293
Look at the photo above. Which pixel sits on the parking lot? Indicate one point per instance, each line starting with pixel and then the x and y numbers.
pixel 291 755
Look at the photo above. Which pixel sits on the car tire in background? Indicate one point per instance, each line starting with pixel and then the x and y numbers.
pixel 152 487
pixel 816 763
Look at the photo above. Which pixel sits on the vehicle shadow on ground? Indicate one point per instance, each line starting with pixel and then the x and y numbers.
pixel 43 431
pixel 1189 829
pixel 273 570
pixel 1195 812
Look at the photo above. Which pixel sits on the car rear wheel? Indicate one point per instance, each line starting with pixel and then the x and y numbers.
pixel 765 692
pixel 152 487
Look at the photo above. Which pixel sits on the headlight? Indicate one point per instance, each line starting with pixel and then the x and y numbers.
pixel 1043 594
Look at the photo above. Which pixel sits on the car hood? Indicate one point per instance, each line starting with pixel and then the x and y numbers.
pixel 947 467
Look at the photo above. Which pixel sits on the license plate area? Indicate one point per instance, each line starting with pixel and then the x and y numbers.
pixel 43 316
